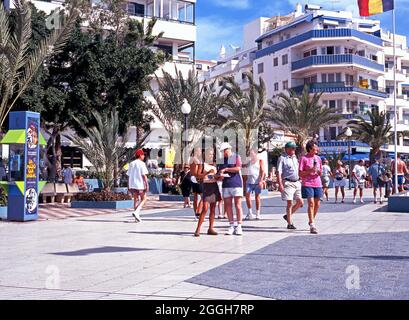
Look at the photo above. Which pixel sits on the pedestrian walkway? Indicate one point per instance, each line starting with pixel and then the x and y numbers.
pixel 112 257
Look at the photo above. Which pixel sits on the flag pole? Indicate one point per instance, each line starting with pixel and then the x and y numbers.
pixel 395 118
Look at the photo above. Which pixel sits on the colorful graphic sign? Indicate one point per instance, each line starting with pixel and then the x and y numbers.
pixel 32 150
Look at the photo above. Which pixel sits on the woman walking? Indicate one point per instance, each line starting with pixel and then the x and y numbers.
pixel 310 173
pixel 195 166
pixel 211 192
pixel 339 180
pixel 326 177
pixel 186 185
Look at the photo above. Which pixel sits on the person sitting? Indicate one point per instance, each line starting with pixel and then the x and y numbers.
pixel 79 180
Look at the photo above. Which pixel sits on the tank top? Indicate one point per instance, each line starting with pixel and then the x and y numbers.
pixel 253 172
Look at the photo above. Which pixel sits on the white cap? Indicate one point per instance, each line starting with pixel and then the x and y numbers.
pixel 225 145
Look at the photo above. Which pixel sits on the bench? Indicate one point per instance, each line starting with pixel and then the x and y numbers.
pixel 48 191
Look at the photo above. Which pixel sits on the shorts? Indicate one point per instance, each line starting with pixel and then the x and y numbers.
pixel 359 184
pixel 137 192
pixel 211 192
pixel 253 187
pixel 292 191
pixel 376 184
pixel 340 183
pixel 232 192
pixel 325 181
pixel 197 188
pixel 401 180
pixel 185 192
pixel 311 192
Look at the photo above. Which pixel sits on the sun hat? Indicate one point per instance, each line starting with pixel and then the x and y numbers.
pixel 291 145
pixel 225 145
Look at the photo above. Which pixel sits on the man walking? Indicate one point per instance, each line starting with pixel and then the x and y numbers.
pixel 402 171
pixel 376 171
pixel 138 182
pixel 254 181
pixel 289 182
pixel 232 187
pixel 358 176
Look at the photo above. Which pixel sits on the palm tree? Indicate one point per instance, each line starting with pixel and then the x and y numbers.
pixel 170 95
pixel 376 132
pixel 245 110
pixel 301 115
pixel 104 147
pixel 18 63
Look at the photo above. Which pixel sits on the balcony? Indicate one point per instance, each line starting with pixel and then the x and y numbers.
pixel 320 34
pixel 332 87
pixel 336 60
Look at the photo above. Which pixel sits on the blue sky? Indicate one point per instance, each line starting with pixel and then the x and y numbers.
pixel 221 21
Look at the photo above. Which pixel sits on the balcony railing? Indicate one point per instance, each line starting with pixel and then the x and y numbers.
pixel 331 87
pixel 312 34
pixel 336 59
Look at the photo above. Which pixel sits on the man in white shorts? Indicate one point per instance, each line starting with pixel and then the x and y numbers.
pixel 289 182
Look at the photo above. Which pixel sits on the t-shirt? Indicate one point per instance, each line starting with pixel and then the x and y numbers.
pixel 326 170
pixel 234 181
pixel 312 180
pixel 68 175
pixel 137 169
pixel 360 172
pixel 375 170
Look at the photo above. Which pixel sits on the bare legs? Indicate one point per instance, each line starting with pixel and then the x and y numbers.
pixel 197 205
pixel 375 191
pixel 291 209
pixel 313 207
pixel 342 193
pixel 205 207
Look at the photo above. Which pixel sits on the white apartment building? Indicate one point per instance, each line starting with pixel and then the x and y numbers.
pixel 348 59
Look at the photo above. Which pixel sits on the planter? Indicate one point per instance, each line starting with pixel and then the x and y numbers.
pixel 398 203
pixel 3 213
pixel 115 205
pixel 172 197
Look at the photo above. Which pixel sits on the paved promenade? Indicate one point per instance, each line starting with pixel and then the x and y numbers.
pixel 109 256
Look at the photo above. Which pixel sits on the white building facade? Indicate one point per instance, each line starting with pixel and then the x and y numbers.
pixel 348 59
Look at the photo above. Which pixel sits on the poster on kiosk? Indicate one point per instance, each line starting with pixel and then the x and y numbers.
pixel 23 189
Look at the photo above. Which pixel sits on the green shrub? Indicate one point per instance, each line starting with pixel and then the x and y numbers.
pixel 102 196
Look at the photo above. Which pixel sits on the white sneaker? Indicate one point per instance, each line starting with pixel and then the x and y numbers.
pixel 249 216
pixel 258 216
pixel 238 231
pixel 354 201
pixel 230 231
pixel 362 200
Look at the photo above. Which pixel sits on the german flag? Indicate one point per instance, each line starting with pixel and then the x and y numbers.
pixel 371 7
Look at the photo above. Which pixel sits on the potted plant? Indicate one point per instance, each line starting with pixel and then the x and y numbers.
pixel 3 204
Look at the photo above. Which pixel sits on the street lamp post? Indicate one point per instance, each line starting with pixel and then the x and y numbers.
pixel 186 108
pixel 348 133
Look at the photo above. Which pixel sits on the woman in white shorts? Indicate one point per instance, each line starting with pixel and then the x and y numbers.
pixel 339 180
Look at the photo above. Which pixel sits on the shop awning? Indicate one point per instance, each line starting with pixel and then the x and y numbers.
pixel 357 157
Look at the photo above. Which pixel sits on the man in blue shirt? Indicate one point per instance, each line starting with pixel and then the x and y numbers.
pixel 375 171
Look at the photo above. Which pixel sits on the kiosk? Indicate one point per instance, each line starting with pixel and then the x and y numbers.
pixel 23 186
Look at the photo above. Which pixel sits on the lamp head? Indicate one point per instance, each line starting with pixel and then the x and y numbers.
pixel 186 108
pixel 348 132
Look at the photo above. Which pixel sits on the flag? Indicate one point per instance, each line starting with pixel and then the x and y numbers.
pixel 371 7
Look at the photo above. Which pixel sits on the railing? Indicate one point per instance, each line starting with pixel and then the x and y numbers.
pixel 328 33
pixel 336 59
pixel 330 87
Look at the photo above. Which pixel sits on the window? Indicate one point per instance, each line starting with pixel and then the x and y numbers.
pixel 284 59
pixel 285 85
pixel 308 53
pixel 276 86
pixel 275 62
pixel 136 9
pixel 260 68
pixel 310 79
pixel 331 50
pixel 333 133
pixel 348 50
pixel 332 104
pixel 349 79
pixel 327 136
pixel 324 77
